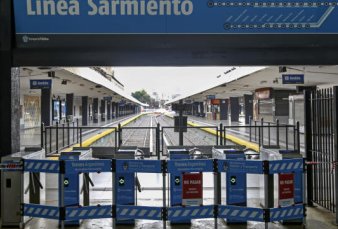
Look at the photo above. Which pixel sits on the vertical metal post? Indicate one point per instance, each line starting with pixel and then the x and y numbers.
pixel 57 137
pixel 164 196
pixel 298 137
pixel 250 123
pixel 217 192
pixel 277 133
pixel 335 122
pixel 73 132
pixel 114 193
pixel 80 137
pixel 294 137
pixel 286 137
pixel 50 138
pixel 68 133
pixel 225 136
pixel 221 133
pixel 46 142
pixel 269 136
pixel 256 132
pixel 120 135
pixel 261 139
pixel 63 134
pixel 157 142
pixel 62 197
pixel 308 144
pixel 41 134
pixel 180 128
pixel 217 136
pixel 116 139
pixel 77 130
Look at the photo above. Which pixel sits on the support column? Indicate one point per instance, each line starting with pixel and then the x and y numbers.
pixel 248 108
pixel 224 105
pixel 96 110
pixel 46 107
pixel 103 110
pixel 10 106
pixel 117 114
pixel 113 106
pixel 108 110
pixel 234 109
pixel 84 110
pixel 70 106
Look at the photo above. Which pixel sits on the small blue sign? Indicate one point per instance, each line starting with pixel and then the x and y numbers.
pixel 40 84
pixel 88 166
pixel 190 166
pixel 138 166
pixel 293 79
pixel 211 97
pixel 239 166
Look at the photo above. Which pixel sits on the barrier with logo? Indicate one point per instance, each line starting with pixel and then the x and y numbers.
pixel 163 213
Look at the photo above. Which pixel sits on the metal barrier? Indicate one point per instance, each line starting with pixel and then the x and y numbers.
pixel 268 134
pixel 167 137
pixel 163 213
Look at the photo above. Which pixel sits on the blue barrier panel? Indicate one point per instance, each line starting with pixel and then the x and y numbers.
pixel 190 166
pixel 191 212
pixel 41 211
pixel 286 166
pixel 292 212
pixel 89 212
pixel 139 166
pixel 240 166
pixel 88 166
pixel 138 212
pixel 241 213
pixel 41 166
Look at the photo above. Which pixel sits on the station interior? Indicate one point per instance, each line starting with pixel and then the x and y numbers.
pixel 251 144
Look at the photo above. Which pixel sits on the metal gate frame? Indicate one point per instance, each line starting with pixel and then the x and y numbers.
pixel 321 145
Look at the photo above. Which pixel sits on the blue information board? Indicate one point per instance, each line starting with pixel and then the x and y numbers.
pixel 40 84
pixel 293 79
pixel 174 17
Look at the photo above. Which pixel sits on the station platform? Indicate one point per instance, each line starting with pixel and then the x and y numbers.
pixel 32 137
pixel 243 133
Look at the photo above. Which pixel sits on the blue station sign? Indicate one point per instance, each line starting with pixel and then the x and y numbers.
pixel 173 17
pixel 293 79
pixel 40 84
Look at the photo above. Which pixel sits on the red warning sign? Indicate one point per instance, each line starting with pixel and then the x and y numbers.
pixel 192 189
pixel 286 189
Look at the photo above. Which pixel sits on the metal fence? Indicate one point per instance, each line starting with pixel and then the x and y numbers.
pixel 170 137
pixel 321 147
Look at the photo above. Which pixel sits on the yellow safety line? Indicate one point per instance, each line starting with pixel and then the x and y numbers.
pixel 95 138
pixel 236 140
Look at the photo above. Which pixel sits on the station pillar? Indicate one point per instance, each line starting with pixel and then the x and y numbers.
pixel 70 106
pixel 46 98
pixel 95 110
pixel 113 110
pixel 234 109
pixel 108 110
pixel 248 108
pixel 84 110
pixel 103 110
pixel 117 114
pixel 224 105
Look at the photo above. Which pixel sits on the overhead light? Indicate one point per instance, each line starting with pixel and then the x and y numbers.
pixel 282 69
pixel 51 74
pixel 81 85
pixel 246 85
pixel 263 81
pixel 64 82
pixel 44 68
pixel 98 86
